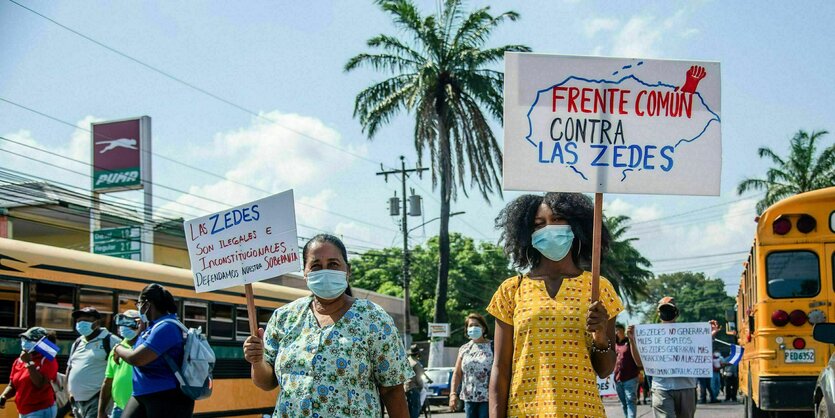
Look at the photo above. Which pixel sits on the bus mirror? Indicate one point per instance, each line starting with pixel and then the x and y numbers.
pixel 730 315
pixel 824 332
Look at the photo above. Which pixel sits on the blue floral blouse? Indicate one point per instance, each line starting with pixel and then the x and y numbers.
pixel 333 371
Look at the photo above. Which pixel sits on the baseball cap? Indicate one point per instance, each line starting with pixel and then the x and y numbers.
pixel 667 300
pixel 34 333
pixel 127 318
pixel 86 311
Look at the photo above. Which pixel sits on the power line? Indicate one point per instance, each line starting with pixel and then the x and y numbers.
pixel 267 192
pixel 699 256
pixel 158 196
pixel 192 86
pixel 676 215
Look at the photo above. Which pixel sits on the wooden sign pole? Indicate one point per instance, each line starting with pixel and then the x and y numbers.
pixel 595 248
pixel 250 310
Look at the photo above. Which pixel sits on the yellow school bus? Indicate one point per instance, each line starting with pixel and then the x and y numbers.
pixel 786 288
pixel 41 286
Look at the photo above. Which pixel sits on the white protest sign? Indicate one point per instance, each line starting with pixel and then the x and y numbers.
pixel 607 386
pixel 244 244
pixel 675 350
pixel 616 125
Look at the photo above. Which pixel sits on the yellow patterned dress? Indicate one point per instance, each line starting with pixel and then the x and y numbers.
pixel 552 374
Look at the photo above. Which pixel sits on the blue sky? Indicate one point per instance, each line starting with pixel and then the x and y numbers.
pixel 285 60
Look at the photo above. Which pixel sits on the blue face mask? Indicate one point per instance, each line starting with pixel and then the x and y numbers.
pixel 27 345
pixel 127 332
pixel 553 241
pixel 84 328
pixel 474 332
pixel 327 284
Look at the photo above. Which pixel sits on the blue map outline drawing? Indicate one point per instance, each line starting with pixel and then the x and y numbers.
pixel 715 117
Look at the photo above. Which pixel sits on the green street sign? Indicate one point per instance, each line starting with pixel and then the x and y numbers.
pixel 116 247
pixel 122 233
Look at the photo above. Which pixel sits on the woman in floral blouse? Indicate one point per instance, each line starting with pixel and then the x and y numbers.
pixel 330 355
pixel 475 359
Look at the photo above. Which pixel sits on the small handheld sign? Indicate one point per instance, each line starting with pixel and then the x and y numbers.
pixel 242 245
pixel 611 125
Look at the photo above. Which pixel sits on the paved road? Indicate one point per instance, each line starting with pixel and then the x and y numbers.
pixel 613 410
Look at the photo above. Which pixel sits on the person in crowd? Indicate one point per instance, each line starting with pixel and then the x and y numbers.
pixel 671 396
pixel 118 377
pixel 415 385
pixel 330 353
pixel 626 373
pixel 550 338
pixel 156 392
pixel 706 390
pixel 29 380
pixel 88 361
pixel 715 381
pixel 472 369
pixel 731 372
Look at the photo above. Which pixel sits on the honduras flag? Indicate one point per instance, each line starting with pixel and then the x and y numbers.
pixel 736 354
pixel 47 348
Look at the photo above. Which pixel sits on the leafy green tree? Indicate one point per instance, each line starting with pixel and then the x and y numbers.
pixel 441 73
pixel 623 264
pixel 802 171
pixel 476 271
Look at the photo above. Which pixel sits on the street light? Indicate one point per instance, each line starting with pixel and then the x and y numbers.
pixel 436 218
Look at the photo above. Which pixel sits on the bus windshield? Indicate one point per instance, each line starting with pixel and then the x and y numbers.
pixel 792 274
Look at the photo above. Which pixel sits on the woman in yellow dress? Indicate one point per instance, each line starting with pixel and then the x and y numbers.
pixel 550 340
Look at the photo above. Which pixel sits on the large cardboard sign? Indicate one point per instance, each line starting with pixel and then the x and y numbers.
pixel 616 125
pixel 675 350
pixel 117 153
pixel 244 244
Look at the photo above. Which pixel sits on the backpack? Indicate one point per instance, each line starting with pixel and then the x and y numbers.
pixel 195 375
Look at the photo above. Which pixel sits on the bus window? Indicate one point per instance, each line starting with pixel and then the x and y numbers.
pixel 195 315
pixel 102 300
pixel 53 306
pixel 221 326
pixel 241 323
pixel 264 315
pixel 11 293
pixel 792 274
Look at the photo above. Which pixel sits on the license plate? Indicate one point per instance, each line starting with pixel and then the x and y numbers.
pixel 800 356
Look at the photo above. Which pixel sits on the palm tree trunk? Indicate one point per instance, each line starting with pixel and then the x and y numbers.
pixel 443 235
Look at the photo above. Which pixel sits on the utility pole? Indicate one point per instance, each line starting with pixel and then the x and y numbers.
pixel 415 211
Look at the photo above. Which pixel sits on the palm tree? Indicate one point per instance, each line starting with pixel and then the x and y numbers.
pixel 623 264
pixel 444 76
pixel 801 172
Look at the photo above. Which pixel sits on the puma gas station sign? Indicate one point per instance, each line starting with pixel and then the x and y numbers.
pixel 120 152
pixel 615 125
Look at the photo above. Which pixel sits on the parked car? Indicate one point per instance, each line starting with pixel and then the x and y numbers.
pixel 438 390
pixel 824 398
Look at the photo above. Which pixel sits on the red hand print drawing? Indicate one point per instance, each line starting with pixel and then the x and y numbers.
pixel 694 75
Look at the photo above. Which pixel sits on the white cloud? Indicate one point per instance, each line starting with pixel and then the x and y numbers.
pixel 276 152
pixel 642 36
pixel 38 159
pixel 619 207
pixel 599 24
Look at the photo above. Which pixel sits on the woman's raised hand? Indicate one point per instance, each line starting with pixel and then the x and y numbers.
pixel 254 347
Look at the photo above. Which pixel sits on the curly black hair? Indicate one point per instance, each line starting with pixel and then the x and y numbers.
pixel 516 222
